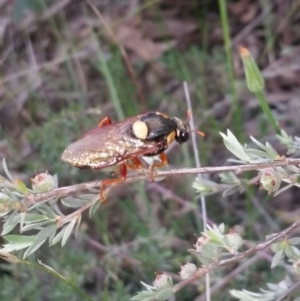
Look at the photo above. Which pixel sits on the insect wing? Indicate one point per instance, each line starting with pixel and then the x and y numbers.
pixel 108 145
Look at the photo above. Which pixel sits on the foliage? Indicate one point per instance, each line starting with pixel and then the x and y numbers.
pixel 47 222
pixel 60 72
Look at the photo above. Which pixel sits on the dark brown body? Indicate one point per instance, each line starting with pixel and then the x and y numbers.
pixel 112 144
pixel 123 143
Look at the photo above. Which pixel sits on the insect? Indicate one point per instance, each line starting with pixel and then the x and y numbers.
pixel 124 143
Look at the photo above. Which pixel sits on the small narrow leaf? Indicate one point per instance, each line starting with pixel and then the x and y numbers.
pixel 58 236
pixel 294 241
pixel 22 215
pixel 258 143
pixel 276 259
pixel 233 145
pixel 21 187
pixel 68 231
pixel 74 203
pixel 32 218
pixel 36 226
pixel 45 233
pixel 6 170
pixel 254 79
pixel 34 246
pixel 15 247
pixel 50 269
pixel 164 294
pixel 46 210
pixel 144 296
pixel 10 223
pixel 19 238
pixel 94 207
pixel 77 225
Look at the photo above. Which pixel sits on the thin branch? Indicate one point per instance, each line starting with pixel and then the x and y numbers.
pixel 145 174
pixel 289 291
pixel 184 203
pixel 198 165
pixel 211 267
pixel 65 219
pixel 229 277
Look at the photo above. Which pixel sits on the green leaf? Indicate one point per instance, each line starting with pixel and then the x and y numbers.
pixel 34 246
pixel 270 149
pixel 68 231
pixel 51 269
pixel 267 111
pixel 276 259
pixel 58 236
pixel 144 296
pixel 10 223
pixel 294 241
pixel 32 218
pixel 259 144
pixel 15 247
pixel 21 187
pixel 94 207
pixel 254 79
pixel 45 233
pixel 19 238
pixel 77 225
pixel 243 296
pixel 164 294
pixel 259 154
pixel 22 215
pixel 233 145
pixel 46 210
pixel 36 226
pixel 289 252
pixel 74 202
pixel 9 176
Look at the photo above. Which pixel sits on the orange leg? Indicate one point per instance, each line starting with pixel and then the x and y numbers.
pixel 135 164
pixel 164 162
pixel 105 183
pixel 105 121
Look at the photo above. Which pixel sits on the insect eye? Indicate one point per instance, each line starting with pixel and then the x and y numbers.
pixel 182 136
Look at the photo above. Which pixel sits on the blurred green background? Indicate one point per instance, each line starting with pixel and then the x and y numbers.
pixel 61 73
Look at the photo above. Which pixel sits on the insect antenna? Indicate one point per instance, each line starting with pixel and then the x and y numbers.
pixel 189 114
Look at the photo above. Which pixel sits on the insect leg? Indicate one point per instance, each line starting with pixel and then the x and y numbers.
pixel 105 121
pixel 164 162
pixel 134 164
pixel 105 183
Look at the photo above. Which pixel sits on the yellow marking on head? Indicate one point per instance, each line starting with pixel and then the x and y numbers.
pixel 162 114
pixel 171 138
pixel 140 129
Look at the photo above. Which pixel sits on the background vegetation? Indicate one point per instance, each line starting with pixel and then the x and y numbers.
pixel 61 72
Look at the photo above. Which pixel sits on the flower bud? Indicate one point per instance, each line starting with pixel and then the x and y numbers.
pixel 187 270
pixel 43 182
pixel 203 240
pixel 162 281
pixel 254 79
pixel 270 180
pixel 233 241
